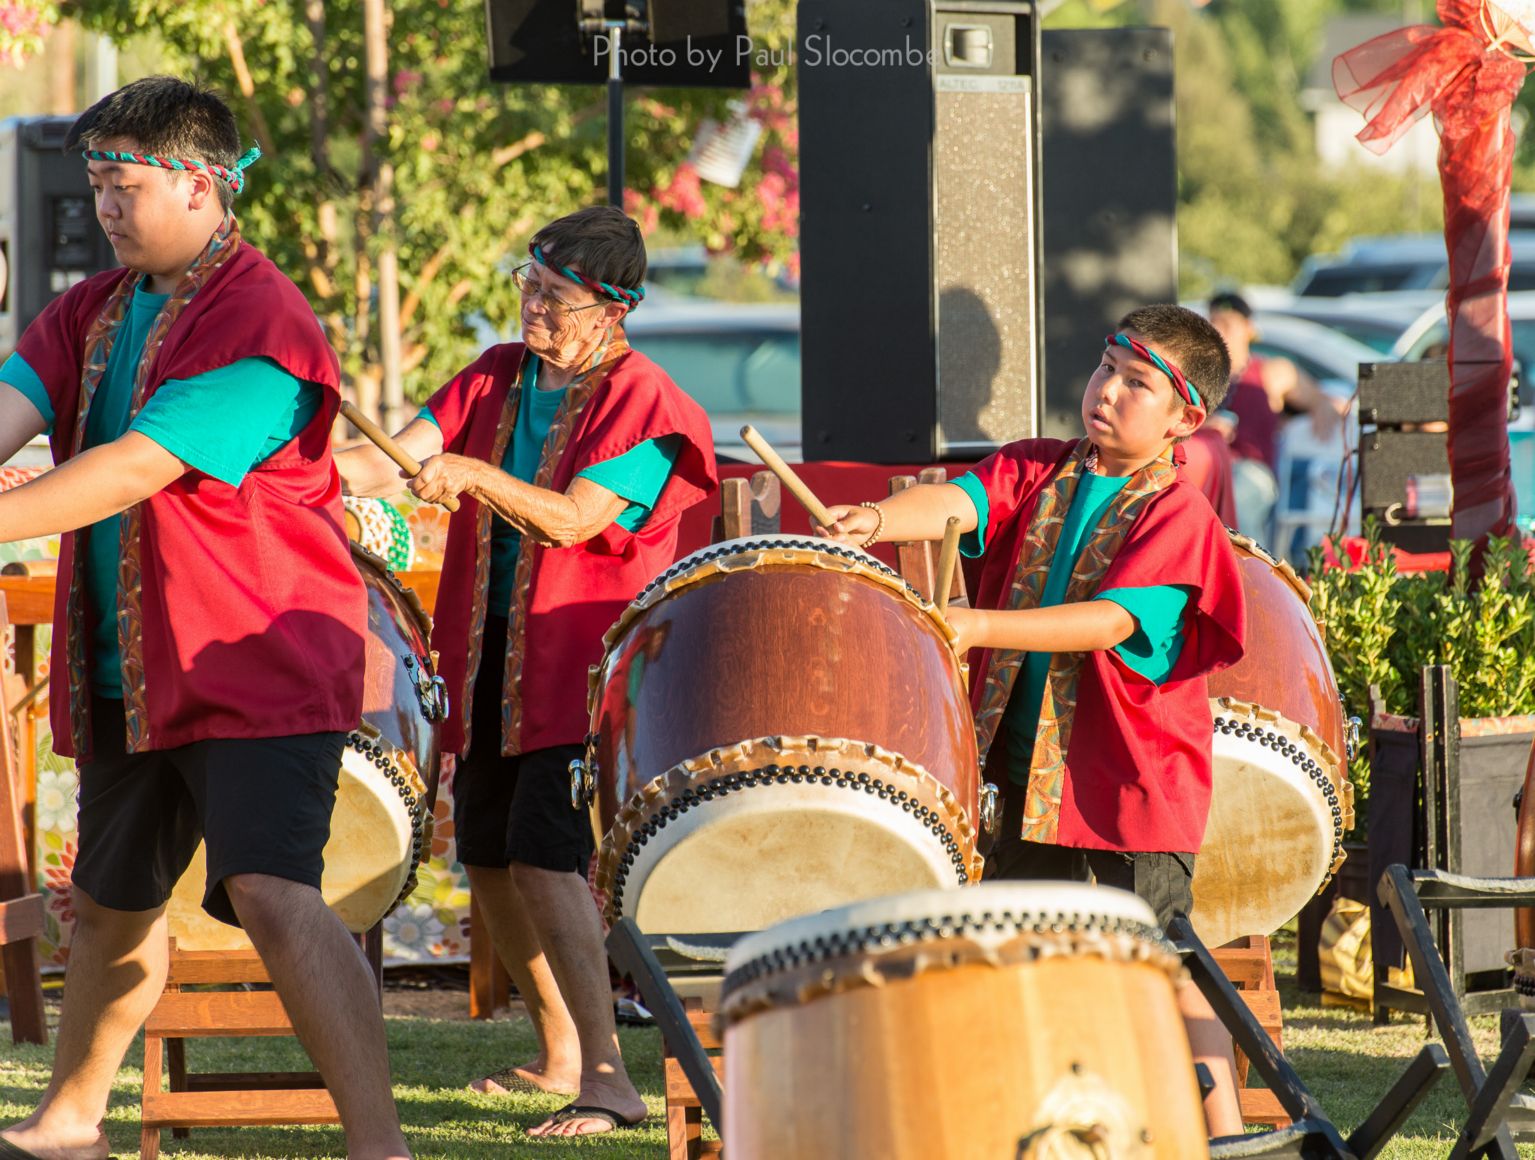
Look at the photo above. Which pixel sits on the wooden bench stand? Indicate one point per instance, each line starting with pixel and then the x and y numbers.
pixel 224 1099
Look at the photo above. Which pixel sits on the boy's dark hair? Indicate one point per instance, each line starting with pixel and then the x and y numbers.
pixel 1191 343
pixel 167 117
pixel 601 241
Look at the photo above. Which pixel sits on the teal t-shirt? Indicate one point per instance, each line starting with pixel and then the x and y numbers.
pixel 1151 650
pixel 638 475
pixel 221 423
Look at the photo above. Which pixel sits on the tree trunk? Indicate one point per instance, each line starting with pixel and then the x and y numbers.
pixel 376 43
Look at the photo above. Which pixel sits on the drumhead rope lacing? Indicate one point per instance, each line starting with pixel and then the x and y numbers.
pixel 874 955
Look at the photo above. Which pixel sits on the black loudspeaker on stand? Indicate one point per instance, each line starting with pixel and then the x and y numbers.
pixel 964 254
pixel 919 299
pixel 669 43
pixel 49 236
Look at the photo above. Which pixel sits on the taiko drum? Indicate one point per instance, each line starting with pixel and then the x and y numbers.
pixel 1026 1021
pixel 1281 800
pixel 380 827
pixel 780 724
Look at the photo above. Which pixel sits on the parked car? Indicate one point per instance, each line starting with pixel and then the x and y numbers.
pixel 1402 262
pixel 1377 320
pixel 739 361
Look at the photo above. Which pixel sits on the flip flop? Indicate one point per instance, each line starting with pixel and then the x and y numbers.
pixel 594 1112
pixel 9 1151
pixel 506 1079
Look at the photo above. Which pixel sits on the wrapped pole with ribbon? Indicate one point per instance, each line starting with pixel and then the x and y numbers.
pixel 1467 72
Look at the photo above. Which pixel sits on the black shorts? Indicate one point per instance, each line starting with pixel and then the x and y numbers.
pixel 1165 882
pixel 514 809
pixel 263 804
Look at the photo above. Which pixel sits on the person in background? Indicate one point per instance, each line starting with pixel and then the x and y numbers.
pixel 1263 390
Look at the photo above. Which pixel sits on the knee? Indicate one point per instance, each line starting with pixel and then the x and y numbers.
pixel 89 912
pixel 260 898
pixel 535 880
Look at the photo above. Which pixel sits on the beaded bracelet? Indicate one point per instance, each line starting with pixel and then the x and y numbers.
pixel 879 527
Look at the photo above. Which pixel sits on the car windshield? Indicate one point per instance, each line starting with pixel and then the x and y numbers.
pixel 1433 341
pixel 1331 281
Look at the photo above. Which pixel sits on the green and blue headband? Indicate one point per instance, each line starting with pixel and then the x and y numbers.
pixel 235 178
pixel 620 294
pixel 1185 389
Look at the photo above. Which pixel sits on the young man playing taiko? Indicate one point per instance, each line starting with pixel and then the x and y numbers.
pixel 1108 592
pixel 208 643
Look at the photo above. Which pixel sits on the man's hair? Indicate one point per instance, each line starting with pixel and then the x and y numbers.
pixel 1230 300
pixel 601 241
pixel 1188 341
pixel 167 117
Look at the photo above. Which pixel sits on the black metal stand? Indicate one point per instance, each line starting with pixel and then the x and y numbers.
pixel 1311 1135
pixel 632 954
pixel 615 30
pixel 1497 1110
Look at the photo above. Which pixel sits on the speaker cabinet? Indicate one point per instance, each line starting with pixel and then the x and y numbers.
pixel 1110 189
pixel 690 44
pixel 1404 455
pixel 49 236
pixel 918 188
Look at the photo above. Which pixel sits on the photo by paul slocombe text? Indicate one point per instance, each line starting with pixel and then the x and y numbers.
pixel 818 51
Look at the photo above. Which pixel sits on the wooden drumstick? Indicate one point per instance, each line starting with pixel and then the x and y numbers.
pixel 786 475
pixel 389 447
pixel 948 555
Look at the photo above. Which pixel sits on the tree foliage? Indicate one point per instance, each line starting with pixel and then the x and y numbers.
pixel 477 166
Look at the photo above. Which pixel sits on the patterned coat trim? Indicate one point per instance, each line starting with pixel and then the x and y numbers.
pixel 1047 776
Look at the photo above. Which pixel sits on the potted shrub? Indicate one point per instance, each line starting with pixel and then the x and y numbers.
pixel 1382 626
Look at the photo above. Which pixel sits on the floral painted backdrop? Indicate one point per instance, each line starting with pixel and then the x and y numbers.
pixel 433 924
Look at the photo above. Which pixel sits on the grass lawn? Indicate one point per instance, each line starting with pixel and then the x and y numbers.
pixel 1346 1061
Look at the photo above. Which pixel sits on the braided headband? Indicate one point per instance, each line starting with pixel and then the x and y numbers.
pixel 234 179
pixel 1185 389
pixel 630 298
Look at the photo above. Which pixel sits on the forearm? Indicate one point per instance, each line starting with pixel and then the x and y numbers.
pixel 367 471
pixel 921 512
pixel 92 486
pixel 547 516
pixel 1081 627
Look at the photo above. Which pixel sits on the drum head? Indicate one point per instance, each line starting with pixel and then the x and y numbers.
pixel 1268 844
pixel 367 860
pixel 777 852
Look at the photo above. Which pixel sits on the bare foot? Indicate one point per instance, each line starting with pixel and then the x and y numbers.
pixel 619 1100
pixel 31 1139
pixel 530 1077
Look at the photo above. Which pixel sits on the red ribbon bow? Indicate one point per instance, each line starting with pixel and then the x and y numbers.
pixel 1469 82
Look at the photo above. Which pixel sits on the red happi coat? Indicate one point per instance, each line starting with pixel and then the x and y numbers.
pixel 251 613
pixel 1138 762
pixel 575 594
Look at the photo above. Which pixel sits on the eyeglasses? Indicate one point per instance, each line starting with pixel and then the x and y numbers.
pixel 531 289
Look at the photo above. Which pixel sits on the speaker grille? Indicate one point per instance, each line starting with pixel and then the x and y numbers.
pixel 983 217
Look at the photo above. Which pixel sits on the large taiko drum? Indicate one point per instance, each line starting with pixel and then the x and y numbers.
pixel 1281 800
pixel 1011 1020
pixel 779 725
pixel 380 826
